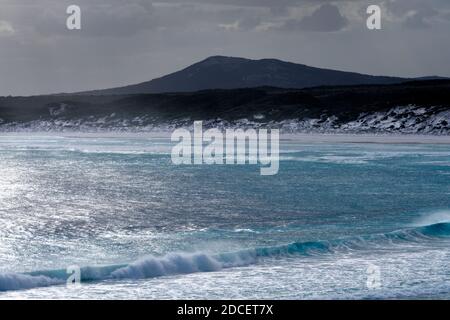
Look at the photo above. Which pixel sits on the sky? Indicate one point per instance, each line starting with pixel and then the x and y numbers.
pixel 124 42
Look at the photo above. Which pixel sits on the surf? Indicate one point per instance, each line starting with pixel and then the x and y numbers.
pixel 186 263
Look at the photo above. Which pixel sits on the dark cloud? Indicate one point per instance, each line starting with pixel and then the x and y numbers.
pixel 327 18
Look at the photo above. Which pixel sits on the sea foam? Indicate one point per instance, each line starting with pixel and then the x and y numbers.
pixel 186 263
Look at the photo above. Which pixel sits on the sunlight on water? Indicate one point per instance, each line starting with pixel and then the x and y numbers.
pixel 118 206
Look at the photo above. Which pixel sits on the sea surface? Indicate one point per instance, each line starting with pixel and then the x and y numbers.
pixel 339 221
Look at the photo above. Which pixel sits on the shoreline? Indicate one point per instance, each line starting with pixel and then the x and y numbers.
pixel 366 138
pixel 287 137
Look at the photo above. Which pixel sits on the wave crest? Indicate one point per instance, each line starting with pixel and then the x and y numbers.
pixel 185 263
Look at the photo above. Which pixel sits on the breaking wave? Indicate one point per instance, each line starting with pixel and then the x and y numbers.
pixel 186 263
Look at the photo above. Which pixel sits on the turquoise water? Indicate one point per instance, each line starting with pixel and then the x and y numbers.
pixel 140 227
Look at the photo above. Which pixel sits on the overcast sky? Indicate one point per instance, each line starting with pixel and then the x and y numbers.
pixel 129 41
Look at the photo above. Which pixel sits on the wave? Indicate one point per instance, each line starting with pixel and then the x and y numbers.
pixel 432 218
pixel 16 281
pixel 186 263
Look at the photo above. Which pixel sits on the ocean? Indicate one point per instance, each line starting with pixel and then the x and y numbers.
pixel 340 220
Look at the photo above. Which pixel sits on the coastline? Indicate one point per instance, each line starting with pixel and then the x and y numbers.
pixel 288 137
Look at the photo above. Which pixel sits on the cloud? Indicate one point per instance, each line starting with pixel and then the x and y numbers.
pixel 327 18
pixel 122 20
pixel 99 20
pixel 230 26
pixel 415 14
pixel 243 23
pixel 130 41
pixel 246 3
pixel 417 19
pixel 6 29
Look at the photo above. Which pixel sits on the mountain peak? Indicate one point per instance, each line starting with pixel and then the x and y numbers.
pixel 225 72
pixel 222 60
